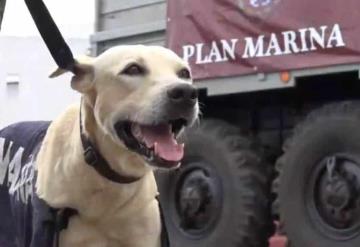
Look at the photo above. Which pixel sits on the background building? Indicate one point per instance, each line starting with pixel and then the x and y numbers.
pixel 26 91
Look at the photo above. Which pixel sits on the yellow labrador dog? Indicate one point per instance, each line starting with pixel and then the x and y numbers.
pixel 135 102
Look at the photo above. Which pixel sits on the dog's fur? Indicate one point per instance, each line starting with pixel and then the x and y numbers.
pixel 110 214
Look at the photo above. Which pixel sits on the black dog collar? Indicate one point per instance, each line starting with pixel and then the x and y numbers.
pixel 94 159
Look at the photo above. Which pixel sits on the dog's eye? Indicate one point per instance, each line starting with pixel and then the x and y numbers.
pixel 184 74
pixel 133 70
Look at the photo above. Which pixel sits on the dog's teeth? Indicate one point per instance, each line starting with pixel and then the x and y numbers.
pixel 136 130
pixel 151 158
pixel 155 147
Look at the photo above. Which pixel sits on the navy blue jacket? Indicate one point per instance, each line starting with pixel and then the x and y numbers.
pixel 25 219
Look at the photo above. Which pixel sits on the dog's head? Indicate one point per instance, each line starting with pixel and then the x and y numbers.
pixel 141 96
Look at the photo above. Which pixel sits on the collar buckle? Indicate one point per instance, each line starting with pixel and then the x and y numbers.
pixel 90 156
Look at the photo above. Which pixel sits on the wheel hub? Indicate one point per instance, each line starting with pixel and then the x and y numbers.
pixel 198 199
pixel 338 193
pixel 335 195
pixel 195 193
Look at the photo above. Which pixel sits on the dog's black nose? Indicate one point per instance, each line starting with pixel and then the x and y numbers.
pixel 183 94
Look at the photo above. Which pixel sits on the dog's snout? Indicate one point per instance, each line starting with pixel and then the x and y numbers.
pixel 183 94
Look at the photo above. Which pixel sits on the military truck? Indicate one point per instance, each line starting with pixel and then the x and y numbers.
pixel 279 133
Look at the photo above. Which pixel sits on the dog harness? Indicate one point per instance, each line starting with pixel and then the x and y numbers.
pixel 25 219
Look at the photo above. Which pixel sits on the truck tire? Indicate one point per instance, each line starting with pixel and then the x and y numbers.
pixel 220 196
pixel 318 186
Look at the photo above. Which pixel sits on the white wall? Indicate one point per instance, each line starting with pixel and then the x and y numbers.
pixel 38 97
pixel 75 18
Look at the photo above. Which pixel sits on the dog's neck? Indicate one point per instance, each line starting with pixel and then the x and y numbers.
pixel 65 180
pixel 92 136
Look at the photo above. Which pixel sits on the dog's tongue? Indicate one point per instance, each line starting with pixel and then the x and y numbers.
pixel 165 145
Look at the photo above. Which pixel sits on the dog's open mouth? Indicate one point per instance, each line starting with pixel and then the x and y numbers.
pixel 157 143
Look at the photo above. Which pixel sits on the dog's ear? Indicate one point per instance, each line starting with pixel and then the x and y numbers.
pixel 83 77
